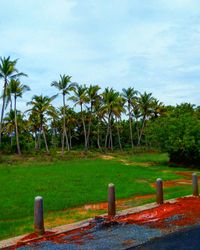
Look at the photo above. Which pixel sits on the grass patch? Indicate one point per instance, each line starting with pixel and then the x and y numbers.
pixel 153 158
pixel 71 183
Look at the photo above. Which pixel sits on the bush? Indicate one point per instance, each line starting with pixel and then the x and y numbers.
pixel 177 135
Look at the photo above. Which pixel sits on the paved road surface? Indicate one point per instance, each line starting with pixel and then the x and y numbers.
pixel 188 239
pixel 126 237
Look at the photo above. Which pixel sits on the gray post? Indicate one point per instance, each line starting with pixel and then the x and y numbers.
pixel 195 189
pixel 111 200
pixel 38 216
pixel 159 191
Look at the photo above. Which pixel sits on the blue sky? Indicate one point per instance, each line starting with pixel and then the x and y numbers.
pixel 151 45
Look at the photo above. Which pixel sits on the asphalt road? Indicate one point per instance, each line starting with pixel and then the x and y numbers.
pixel 184 240
pixel 129 237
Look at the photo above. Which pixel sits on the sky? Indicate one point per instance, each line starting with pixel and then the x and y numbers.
pixel 151 45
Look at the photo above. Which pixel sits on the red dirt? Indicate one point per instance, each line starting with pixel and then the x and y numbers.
pixel 96 206
pixel 35 235
pixel 188 210
pixel 185 174
pixel 57 238
pixel 173 183
pixel 121 203
pixel 179 182
pixel 183 212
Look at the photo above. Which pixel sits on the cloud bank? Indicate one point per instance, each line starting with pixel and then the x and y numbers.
pixel 150 45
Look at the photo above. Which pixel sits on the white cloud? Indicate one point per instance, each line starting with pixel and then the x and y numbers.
pixel 152 45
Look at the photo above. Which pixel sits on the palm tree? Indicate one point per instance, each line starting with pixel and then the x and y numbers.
pixel 65 86
pixel 55 127
pixel 8 99
pixel 80 97
pixel 16 88
pixel 145 103
pixel 8 71
pixel 41 107
pixel 9 123
pixel 129 95
pixel 117 111
pixel 34 128
pixel 99 116
pixel 111 102
pixel 71 124
pixel 158 108
pixel 93 96
pixel 137 115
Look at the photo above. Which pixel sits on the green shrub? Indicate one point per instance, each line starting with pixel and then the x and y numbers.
pixel 177 135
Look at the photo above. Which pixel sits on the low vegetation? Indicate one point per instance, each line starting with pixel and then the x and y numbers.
pixel 90 118
pixel 69 154
pixel 70 183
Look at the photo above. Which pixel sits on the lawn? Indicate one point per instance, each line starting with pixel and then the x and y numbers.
pixel 71 183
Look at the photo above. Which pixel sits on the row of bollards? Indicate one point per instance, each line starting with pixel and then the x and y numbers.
pixel 159 188
pixel 38 209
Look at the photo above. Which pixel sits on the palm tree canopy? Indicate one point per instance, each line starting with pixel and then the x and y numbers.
pixel 129 94
pixel 17 88
pixel 64 84
pixel 145 103
pixel 93 96
pixel 41 105
pixel 80 95
pixel 8 68
pixel 112 102
pixel 93 92
pixel 9 121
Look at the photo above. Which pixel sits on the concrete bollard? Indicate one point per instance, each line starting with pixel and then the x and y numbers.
pixel 111 200
pixel 38 216
pixel 159 191
pixel 195 188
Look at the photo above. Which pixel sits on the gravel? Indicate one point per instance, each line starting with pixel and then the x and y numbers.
pixel 121 236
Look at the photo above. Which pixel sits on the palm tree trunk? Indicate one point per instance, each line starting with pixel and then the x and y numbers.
pixel 111 139
pixel 67 141
pixel 39 139
pixel 98 136
pixel 10 103
pixel 70 139
pixel 84 128
pixel 109 142
pixel 52 138
pixel 89 126
pixel 137 128
pixel 3 108
pixel 141 131
pixel 107 133
pixel 118 135
pixel 130 127
pixel 63 142
pixel 64 124
pixel 16 126
pixel 45 140
pixel 88 133
pixel 36 143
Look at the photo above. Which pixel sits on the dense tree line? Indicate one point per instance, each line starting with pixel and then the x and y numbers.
pixel 178 133
pixel 106 119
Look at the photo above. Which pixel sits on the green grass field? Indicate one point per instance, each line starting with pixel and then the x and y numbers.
pixel 71 183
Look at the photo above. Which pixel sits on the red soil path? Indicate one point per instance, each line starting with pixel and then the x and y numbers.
pixel 186 210
pixel 183 212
